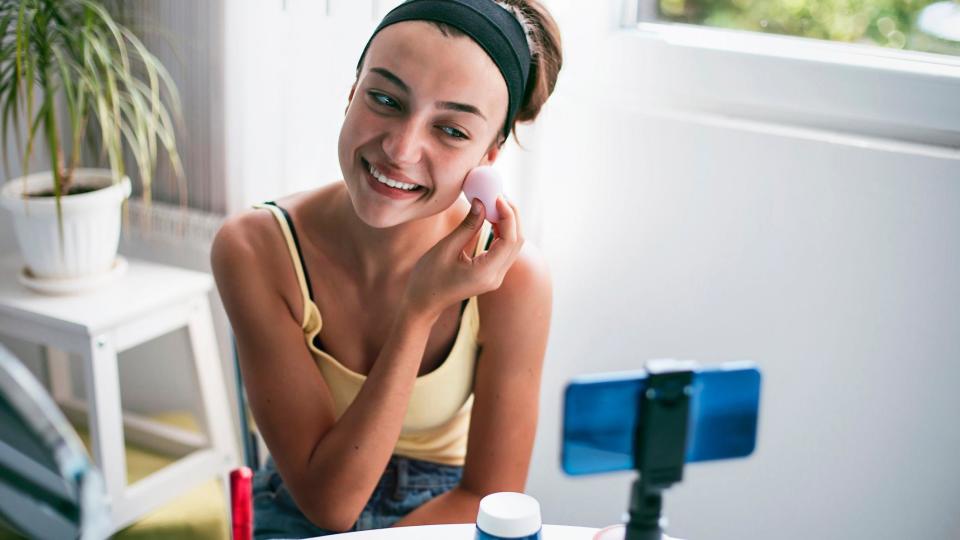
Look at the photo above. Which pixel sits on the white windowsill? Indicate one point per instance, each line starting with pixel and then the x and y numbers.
pixel 850 89
pixel 807 49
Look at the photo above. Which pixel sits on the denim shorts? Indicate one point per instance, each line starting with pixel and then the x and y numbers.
pixel 405 485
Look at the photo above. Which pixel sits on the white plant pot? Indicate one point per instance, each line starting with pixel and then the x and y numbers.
pixel 91 226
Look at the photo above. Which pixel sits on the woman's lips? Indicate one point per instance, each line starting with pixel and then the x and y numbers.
pixel 390 173
pixel 386 190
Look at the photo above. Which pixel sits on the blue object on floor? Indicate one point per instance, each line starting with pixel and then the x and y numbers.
pixel 48 486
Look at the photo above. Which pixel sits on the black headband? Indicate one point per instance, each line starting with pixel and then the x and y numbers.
pixel 492 27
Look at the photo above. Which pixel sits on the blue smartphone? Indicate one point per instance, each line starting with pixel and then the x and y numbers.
pixel 600 414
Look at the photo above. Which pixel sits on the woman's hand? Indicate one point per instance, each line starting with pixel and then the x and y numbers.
pixel 449 273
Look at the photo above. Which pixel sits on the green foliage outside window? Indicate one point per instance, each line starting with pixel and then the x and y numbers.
pixel 889 23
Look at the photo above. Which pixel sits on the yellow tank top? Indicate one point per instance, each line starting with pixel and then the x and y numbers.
pixel 438 415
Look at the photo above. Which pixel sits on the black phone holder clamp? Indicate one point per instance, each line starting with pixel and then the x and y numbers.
pixel 661 444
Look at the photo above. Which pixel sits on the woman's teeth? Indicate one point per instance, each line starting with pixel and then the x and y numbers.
pixel 391 182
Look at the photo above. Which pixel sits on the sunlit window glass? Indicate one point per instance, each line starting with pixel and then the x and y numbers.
pixel 921 25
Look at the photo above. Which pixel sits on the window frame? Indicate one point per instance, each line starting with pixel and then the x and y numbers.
pixel 855 89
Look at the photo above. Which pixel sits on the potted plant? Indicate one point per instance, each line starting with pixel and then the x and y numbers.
pixel 85 88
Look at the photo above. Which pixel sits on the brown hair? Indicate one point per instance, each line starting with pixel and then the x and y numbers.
pixel 546 57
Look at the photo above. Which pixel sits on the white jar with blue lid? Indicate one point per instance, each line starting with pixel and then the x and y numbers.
pixel 508 516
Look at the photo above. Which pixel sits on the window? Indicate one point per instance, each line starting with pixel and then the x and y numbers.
pixel 853 89
pixel 920 25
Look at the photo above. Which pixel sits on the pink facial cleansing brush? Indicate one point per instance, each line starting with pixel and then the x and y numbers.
pixel 484 183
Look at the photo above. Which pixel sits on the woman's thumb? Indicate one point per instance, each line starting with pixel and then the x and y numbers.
pixel 468 228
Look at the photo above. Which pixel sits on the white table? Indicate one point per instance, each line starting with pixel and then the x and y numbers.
pixel 464 531
pixel 150 300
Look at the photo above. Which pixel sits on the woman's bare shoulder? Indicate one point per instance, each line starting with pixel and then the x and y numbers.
pixel 249 237
pixel 250 249
pixel 247 256
pixel 254 235
pixel 526 291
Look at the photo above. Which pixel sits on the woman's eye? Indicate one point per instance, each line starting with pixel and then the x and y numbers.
pixel 385 100
pixel 453 132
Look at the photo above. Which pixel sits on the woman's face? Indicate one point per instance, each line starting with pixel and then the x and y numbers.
pixel 426 109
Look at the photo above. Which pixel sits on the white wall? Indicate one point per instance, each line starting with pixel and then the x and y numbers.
pixel 832 266
pixel 829 259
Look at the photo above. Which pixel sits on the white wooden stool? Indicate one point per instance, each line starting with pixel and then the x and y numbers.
pixel 148 301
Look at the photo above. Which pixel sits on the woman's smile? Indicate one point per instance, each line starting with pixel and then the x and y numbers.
pixel 413 130
pixel 388 186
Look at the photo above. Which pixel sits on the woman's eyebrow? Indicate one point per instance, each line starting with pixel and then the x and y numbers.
pixel 462 107
pixel 448 105
pixel 388 75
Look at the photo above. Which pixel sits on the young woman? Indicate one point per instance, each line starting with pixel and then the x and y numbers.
pixel 391 341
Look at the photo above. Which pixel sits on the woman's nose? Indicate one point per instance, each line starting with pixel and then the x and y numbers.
pixel 404 143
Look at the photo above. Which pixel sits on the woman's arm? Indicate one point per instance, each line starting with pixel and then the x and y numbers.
pixel 330 466
pixel 515 321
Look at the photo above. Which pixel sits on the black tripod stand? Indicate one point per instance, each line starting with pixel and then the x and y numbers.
pixel 661 443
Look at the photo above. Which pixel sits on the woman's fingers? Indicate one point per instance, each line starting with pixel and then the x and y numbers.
pixel 465 233
pixel 507 226
pixel 511 209
pixel 448 272
pixel 516 219
pixel 507 243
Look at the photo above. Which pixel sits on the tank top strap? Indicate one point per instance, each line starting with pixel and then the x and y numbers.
pixel 483 244
pixel 283 218
pixel 486 238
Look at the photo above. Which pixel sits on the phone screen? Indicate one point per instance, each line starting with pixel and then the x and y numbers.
pixel 600 414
